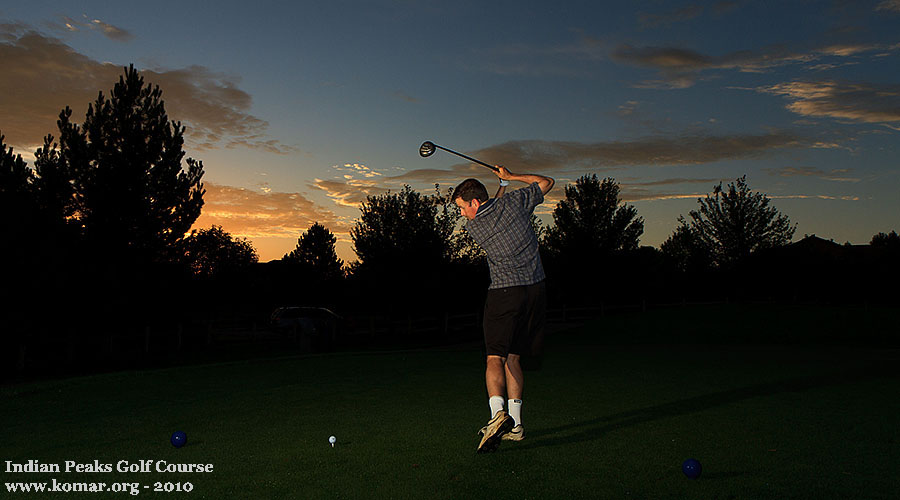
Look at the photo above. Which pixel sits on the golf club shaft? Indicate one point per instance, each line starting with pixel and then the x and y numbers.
pixel 468 158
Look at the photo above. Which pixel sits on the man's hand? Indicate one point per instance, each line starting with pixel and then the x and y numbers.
pixel 545 183
pixel 503 173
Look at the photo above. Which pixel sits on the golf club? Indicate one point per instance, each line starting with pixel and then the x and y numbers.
pixel 427 149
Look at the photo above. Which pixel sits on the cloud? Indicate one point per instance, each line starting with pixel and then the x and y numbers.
pixel 813 197
pixel 889 5
pixel 854 101
pixel 641 191
pixel 681 67
pixel 664 58
pixel 839 175
pixel 670 182
pixel 562 158
pixel 350 192
pixel 252 214
pixel 357 182
pixel 539 156
pixel 42 75
pixel 637 191
pixel 633 195
pixel 108 30
pixel 357 169
pixel 436 176
pixel 628 109
pixel 403 96
pixel 847 50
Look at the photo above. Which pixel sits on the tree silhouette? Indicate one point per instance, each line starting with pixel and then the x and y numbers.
pixel 17 211
pixel 592 221
pixel 316 254
pixel 18 257
pixel 401 240
pixel 15 181
pixel 54 185
pixel 403 228
pixel 131 193
pixel 685 251
pixel 730 225
pixel 888 240
pixel 213 252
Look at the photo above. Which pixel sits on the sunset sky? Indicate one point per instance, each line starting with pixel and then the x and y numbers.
pixel 299 110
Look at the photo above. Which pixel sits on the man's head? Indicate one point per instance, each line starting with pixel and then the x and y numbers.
pixel 468 196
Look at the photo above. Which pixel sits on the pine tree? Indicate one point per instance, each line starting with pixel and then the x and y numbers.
pixel 131 192
pixel 315 252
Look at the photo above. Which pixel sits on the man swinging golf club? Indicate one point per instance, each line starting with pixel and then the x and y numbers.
pixel 515 308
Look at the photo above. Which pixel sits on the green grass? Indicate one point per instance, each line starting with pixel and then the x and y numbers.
pixel 605 418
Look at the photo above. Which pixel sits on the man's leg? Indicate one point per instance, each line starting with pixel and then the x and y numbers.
pixel 495 380
pixel 494 375
pixel 501 317
pixel 515 387
pixel 515 378
pixel 501 422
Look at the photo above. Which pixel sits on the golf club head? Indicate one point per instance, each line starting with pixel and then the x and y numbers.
pixel 426 149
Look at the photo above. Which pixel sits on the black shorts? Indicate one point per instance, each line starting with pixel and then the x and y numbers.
pixel 513 318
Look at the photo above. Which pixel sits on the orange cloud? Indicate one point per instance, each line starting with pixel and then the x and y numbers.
pixel 251 214
pixel 350 192
pixel 839 175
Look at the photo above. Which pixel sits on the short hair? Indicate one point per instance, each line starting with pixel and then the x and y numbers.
pixel 470 189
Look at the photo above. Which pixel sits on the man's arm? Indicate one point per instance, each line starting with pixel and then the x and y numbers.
pixel 544 182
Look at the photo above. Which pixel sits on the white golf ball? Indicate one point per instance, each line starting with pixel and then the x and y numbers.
pixel 332 439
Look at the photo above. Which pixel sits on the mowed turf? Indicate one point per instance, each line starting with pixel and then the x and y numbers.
pixel 618 405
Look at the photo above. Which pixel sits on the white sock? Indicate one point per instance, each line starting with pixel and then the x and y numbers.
pixel 496 403
pixel 515 410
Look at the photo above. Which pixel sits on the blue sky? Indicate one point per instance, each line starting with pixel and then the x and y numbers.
pixel 300 110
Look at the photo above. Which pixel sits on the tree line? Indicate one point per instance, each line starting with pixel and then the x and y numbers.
pixel 97 239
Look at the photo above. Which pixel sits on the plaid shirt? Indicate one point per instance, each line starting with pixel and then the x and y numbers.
pixel 502 227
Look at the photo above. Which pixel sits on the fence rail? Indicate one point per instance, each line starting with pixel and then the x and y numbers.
pixel 245 333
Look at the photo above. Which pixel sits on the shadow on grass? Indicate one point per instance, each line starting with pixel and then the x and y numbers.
pixel 595 428
pixel 726 475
